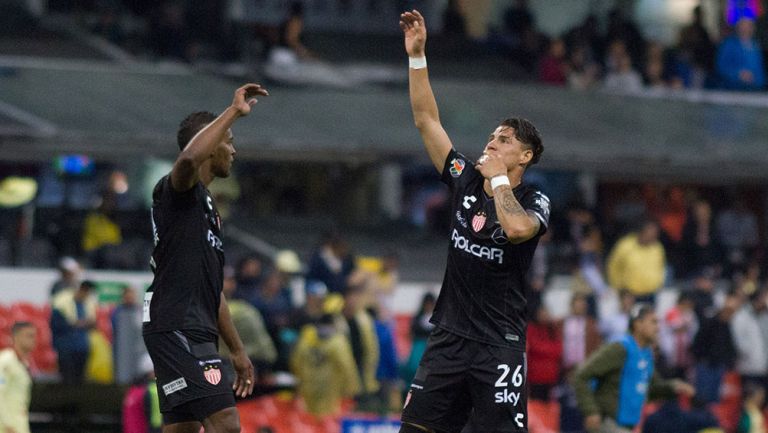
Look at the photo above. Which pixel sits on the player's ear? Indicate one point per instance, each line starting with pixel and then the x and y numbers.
pixel 526 156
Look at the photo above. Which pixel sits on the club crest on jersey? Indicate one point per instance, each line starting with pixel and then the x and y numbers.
pixel 457 167
pixel 478 221
pixel 212 374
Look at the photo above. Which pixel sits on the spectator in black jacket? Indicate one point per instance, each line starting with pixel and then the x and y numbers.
pixel 714 350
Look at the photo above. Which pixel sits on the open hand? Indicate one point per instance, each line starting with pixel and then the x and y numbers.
pixel 415 31
pixel 244 375
pixel 245 97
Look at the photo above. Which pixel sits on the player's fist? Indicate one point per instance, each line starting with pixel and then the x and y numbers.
pixel 415 32
pixel 245 97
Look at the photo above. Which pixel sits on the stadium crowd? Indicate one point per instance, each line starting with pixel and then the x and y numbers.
pixel 332 325
pixel 603 52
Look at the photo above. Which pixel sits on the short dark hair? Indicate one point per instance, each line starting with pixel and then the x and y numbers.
pixel 638 312
pixel 88 285
pixel 18 326
pixel 191 125
pixel 527 134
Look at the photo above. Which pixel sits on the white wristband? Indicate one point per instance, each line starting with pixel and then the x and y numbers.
pixel 497 181
pixel 417 62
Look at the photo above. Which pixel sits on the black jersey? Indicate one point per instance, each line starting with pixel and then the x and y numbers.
pixel 187 261
pixel 483 293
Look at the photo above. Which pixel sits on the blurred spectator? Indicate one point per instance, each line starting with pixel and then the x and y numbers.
pixel 614 326
pixel 73 314
pixel 752 419
pixel 740 59
pixel 545 354
pixel 714 351
pixel 588 279
pixel 751 353
pixel 384 283
pixel 15 381
pixel 623 78
pixel 581 335
pixel 70 273
pixel 170 34
pixel 695 52
pixel 325 367
pixel 746 281
pixel 291 29
pixel 141 404
pixel 638 262
pixel 738 233
pixel 454 23
pixel 387 371
pixel 128 346
pixel 700 244
pixel 358 326
pixel 586 37
pixel 312 309
pixel 421 327
pixel 539 270
pixel 553 66
pixel 655 70
pixel 101 233
pixel 331 263
pixel 702 292
pixel 251 328
pixel 621 28
pixel 676 335
pixel 672 213
pixel 249 276
pixel 583 72
pixel 273 300
pixel 521 34
pixel 630 208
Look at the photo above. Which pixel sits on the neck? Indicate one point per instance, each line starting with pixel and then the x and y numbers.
pixel 640 341
pixel 515 178
pixel 206 176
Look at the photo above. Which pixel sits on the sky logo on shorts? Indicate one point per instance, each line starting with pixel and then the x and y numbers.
pixel 457 166
pixel 212 374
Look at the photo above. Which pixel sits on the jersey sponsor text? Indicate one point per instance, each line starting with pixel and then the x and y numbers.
pixel 488 253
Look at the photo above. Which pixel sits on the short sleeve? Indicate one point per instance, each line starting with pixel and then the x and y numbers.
pixel 458 169
pixel 538 203
pixel 170 198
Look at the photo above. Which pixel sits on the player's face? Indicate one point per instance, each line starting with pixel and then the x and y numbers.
pixel 223 156
pixel 649 328
pixel 502 142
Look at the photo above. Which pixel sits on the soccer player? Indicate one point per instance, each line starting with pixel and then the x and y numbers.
pixel 473 370
pixel 184 308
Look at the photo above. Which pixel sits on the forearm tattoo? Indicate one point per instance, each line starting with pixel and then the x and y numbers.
pixel 509 203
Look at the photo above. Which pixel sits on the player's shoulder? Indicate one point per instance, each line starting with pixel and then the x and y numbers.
pixel 6 355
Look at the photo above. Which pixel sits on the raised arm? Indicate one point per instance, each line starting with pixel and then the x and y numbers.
pixel 423 104
pixel 186 169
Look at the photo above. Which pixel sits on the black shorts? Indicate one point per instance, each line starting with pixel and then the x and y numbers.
pixel 191 381
pixel 461 381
